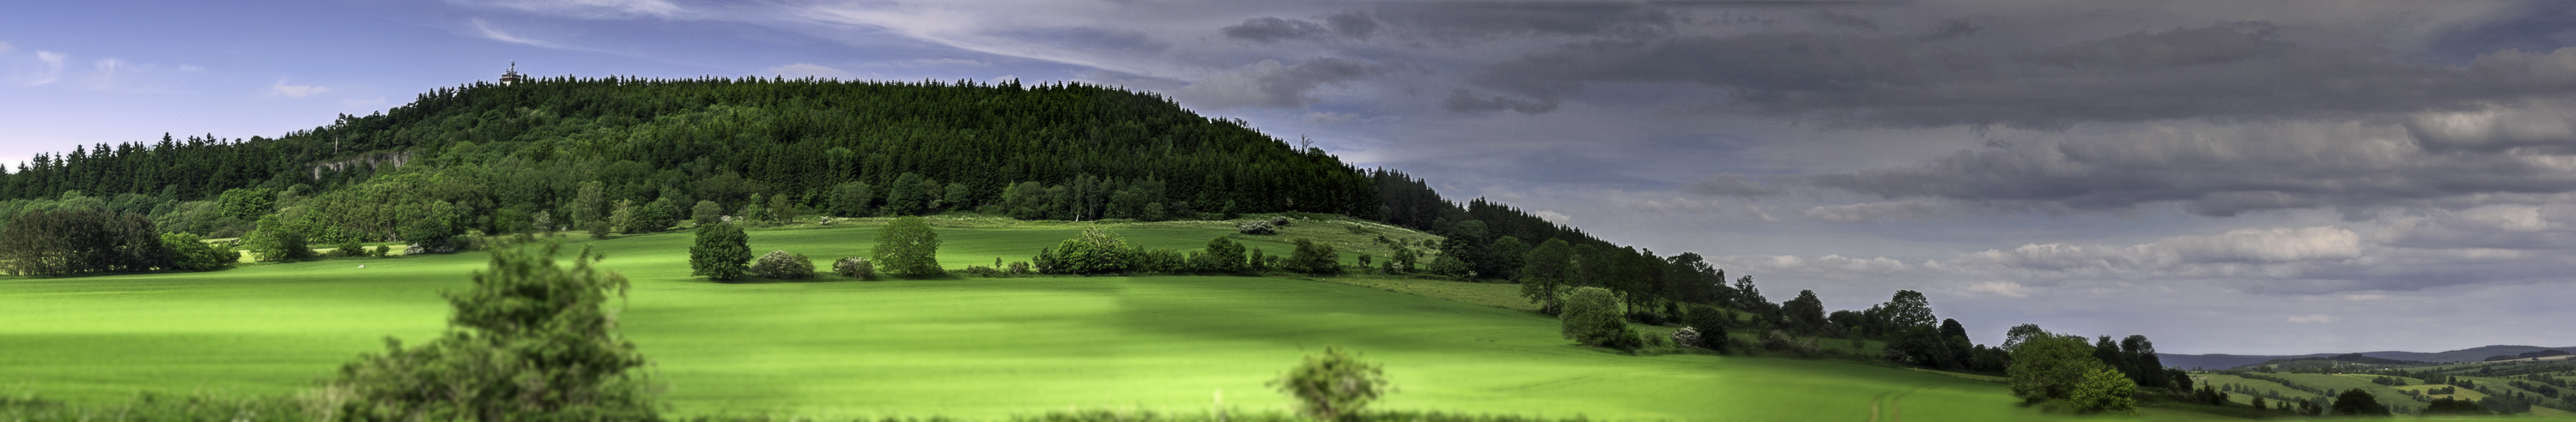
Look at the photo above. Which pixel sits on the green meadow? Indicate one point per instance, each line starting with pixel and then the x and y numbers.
pixel 977 348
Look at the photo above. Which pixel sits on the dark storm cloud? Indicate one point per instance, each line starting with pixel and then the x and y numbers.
pixel 1269 83
pixel 2228 70
pixel 2224 171
pixel 1480 21
pixel 1729 185
pixel 1272 29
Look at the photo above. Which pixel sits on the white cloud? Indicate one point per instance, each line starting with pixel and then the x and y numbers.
pixel 487 31
pixel 799 70
pixel 47 69
pixel 591 9
pixel 933 63
pixel 2312 318
pixel 295 91
pixel 2001 288
pixel 1553 216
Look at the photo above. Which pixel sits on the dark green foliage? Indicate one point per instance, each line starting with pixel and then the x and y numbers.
pixel 783 265
pixel 1222 256
pixel 432 233
pixel 1593 317
pixel 658 215
pixel 706 212
pixel 2105 390
pixel 2356 402
pixel 530 340
pixel 188 253
pixel 852 199
pixel 276 242
pixel 1333 386
pixel 1544 270
pixel 247 204
pixel 2049 366
pixel 1313 258
pixel 908 247
pixel 348 250
pixel 1096 251
pixel 76 241
pixel 721 252
pixel 1508 255
pixel 906 196
pixel 1806 313
pixel 2450 406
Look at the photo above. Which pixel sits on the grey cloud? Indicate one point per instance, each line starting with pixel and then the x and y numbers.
pixel 1089 38
pixel 2496 129
pixel 2525 227
pixel 2231 70
pixel 1464 101
pixel 1352 24
pixel 1272 29
pixel 1270 84
pixel 1729 184
pixel 1955 28
pixel 1830 18
pixel 2220 170
pixel 1482 21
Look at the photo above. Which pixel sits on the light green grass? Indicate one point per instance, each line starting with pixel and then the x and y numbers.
pixel 973 348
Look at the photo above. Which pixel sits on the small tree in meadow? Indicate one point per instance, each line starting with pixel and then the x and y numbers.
pixel 2106 390
pixel 1316 258
pixel 706 212
pixel 530 340
pixel 1223 256
pixel 908 247
pixel 720 253
pixel 1333 386
pixel 1593 317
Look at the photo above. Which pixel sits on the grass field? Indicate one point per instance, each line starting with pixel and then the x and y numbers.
pixel 972 347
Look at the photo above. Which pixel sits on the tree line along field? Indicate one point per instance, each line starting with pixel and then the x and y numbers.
pixel 978 348
pixel 2533 387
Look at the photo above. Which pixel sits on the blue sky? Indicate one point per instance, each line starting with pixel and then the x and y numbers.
pixel 2222 176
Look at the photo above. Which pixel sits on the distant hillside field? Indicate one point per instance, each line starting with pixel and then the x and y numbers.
pixel 971 347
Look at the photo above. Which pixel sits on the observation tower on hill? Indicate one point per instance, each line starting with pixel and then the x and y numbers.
pixel 512 76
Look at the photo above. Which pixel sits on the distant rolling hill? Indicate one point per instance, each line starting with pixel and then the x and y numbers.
pixel 2474 354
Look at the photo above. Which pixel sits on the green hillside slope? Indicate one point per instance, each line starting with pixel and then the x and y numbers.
pixel 975 348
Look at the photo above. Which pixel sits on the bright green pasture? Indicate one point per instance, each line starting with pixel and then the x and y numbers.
pixel 974 348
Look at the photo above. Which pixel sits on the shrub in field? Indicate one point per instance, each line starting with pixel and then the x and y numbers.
pixel 1706 317
pixel 854 267
pixel 1018 268
pixel 1314 258
pixel 1333 386
pixel 1781 341
pixel 1592 317
pixel 381 251
pixel 720 253
pixel 187 253
pixel 782 265
pixel 530 340
pixel 274 242
pixel 349 249
pixel 1686 337
pixel 908 247
pixel 2106 390
pixel 1256 228
pixel 2355 402
pixel 1223 256
pixel 1096 251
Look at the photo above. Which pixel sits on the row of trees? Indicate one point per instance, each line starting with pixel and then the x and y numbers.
pixel 1098 251
pixel 905 247
pixel 57 242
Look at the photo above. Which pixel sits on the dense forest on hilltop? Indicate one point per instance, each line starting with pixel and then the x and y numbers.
pixel 557 153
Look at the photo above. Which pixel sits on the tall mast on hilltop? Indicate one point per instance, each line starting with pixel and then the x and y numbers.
pixel 512 77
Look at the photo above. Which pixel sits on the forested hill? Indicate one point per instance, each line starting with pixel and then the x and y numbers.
pixel 561 152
